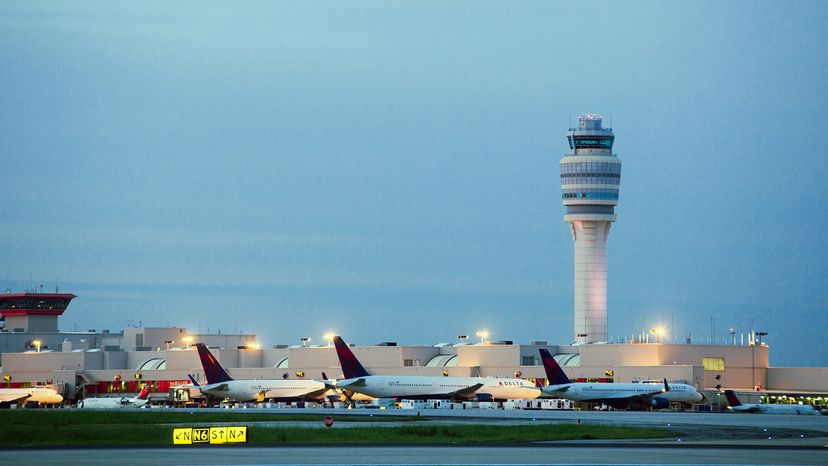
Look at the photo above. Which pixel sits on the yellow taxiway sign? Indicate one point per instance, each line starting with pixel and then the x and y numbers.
pixel 212 435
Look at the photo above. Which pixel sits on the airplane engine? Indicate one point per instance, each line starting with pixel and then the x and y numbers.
pixel 485 397
pixel 660 403
pixel 124 401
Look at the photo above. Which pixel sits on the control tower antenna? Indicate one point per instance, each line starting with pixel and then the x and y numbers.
pixel 590 180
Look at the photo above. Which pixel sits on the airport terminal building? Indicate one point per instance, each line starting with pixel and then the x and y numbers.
pixel 84 364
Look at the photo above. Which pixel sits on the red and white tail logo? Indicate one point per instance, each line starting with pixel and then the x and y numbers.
pixel 144 393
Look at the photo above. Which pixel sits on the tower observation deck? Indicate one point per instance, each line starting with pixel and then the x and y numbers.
pixel 590 180
pixel 33 312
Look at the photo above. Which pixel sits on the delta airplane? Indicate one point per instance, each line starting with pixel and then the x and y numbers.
pixel 617 395
pixel 421 387
pixel 41 395
pixel 117 403
pixel 221 385
pixel 739 407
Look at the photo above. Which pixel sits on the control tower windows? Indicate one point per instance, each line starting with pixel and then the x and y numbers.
pixel 34 303
pixel 603 194
pixel 590 143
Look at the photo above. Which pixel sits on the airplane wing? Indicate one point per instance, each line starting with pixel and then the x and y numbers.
pixel 17 398
pixel 331 384
pixel 556 389
pixel 467 392
pixel 316 394
pixel 750 409
pixel 641 396
pixel 665 389
pixel 358 383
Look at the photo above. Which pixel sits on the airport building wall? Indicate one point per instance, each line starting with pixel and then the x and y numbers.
pixel 798 379
pixel 625 363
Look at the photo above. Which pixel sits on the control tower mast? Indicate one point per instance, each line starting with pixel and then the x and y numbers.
pixel 590 179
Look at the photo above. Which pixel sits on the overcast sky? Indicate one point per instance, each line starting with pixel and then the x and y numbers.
pixel 389 170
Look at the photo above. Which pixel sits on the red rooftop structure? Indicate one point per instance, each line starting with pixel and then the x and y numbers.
pixel 33 312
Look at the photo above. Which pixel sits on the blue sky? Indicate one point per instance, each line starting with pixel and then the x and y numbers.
pixel 389 170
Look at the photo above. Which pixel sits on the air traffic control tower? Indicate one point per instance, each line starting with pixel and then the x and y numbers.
pixel 590 179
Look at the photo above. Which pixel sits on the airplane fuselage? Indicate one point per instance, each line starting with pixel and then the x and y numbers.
pixel 259 390
pixel 111 403
pixel 426 387
pixel 774 409
pixel 619 391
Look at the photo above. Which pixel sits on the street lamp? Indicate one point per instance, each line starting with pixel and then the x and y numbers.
pixel 37 344
pixel 187 339
pixel 305 341
pixel 329 337
pixel 658 332
pixel 168 343
pixel 462 338
pixel 483 334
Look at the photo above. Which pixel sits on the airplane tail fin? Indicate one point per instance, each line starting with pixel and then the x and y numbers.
pixel 144 393
pixel 732 399
pixel 351 367
pixel 212 369
pixel 193 380
pixel 554 373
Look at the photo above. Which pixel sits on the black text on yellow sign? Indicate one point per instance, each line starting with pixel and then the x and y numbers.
pixel 213 435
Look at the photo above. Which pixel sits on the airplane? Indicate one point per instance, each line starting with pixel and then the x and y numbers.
pixel 617 395
pixel 221 385
pixel 116 403
pixel 419 387
pixel 737 406
pixel 41 395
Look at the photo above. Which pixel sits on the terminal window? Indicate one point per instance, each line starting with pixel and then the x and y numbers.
pixel 713 364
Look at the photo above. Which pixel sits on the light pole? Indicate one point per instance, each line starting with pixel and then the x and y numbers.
pixel 305 341
pixel 187 339
pixel 658 332
pixel 483 334
pixel 329 337
pixel 37 344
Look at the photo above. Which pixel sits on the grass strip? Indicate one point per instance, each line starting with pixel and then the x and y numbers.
pixel 82 429
pixel 451 434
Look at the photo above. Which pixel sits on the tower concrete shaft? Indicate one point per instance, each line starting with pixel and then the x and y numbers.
pixel 590 181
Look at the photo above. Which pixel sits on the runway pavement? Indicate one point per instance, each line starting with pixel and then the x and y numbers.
pixel 588 453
